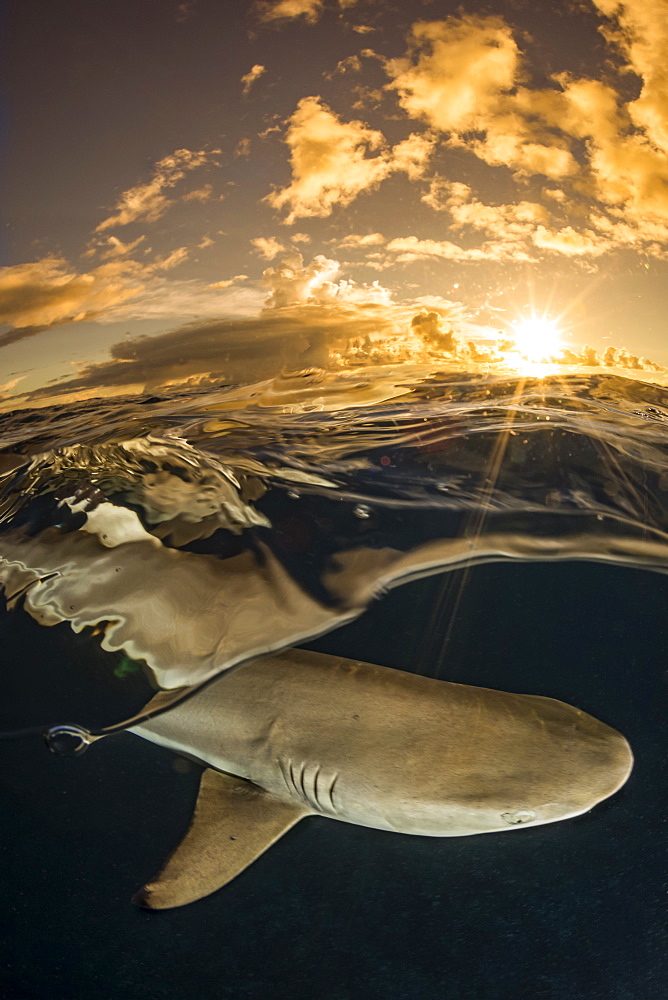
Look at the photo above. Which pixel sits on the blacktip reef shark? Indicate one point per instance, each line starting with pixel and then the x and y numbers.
pixel 300 734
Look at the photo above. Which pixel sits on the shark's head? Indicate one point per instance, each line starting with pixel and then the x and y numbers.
pixel 525 761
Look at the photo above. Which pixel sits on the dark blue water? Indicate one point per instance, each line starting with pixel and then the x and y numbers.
pixel 520 552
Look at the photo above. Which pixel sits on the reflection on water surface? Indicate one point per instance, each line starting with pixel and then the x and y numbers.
pixel 163 540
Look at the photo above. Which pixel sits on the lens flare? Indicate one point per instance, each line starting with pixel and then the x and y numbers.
pixel 536 338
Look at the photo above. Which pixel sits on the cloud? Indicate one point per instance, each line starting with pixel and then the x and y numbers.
pixel 172 259
pixel 641 33
pixel 167 298
pixel 624 168
pixel 351 64
pixel 496 220
pixel 429 326
pixel 355 241
pixel 461 75
pixel 149 201
pixel 568 241
pixel 410 248
pixel 455 71
pixel 283 10
pixel 6 387
pixel 612 357
pixel 113 247
pixel 516 229
pixel 199 194
pixel 292 282
pixel 267 247
pixel 239 350
pixel 335 161
pixel 228 282
pixel 467 78
pixel 330 161
pixel 254 73
pixel 36 296
pixel 312 317
pixel 412 155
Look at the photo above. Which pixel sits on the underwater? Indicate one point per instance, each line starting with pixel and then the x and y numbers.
pixel 160 556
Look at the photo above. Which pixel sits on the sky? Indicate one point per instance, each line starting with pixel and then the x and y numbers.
pixel 196 192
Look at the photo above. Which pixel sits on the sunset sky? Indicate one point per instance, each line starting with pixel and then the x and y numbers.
pixel 207 190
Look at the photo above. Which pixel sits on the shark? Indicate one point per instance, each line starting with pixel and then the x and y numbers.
pixel 299 733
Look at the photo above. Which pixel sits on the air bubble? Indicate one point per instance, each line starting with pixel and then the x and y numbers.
pixel 362 511
pixel 293 494
pixel 68 741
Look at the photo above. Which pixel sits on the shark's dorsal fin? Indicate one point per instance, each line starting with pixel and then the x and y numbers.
pixel 233 823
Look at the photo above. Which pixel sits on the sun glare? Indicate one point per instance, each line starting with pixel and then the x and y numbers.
pixel 537 338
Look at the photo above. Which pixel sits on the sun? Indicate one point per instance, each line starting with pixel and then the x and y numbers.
pixel 536 338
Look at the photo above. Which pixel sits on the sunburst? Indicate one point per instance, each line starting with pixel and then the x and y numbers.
pixel 536 338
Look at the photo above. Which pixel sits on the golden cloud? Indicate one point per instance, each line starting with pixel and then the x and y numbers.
pixel 38 295
pixel 496 220
pixel 228 282
pixel 411 156
pixel 570 242
pixel 455 71
pixel 467 78
pixel 331 164
pixel 149 201
pixel 312 317
pixel 267 247
pixel 292 283
pixel 354 240
pixel 47 293
pixel 249 78
pixel 410 248
pixel 330 161
pixel 284 10
pixel 461 76
pixel 641 33
pixel 113 247
pixel 528 226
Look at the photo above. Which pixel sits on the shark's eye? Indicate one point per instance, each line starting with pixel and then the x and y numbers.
pixel 521 816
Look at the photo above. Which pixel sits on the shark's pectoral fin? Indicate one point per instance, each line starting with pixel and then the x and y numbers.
pixel 233 823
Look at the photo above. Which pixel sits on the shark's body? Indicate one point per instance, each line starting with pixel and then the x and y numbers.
pixel 302 733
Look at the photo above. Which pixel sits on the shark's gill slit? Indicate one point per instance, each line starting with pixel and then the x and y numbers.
pixel 316 775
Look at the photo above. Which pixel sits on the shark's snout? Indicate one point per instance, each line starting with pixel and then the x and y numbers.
pixel 596 766
pixel 581 762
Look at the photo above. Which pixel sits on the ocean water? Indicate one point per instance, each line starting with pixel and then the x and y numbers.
pixel 498 530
